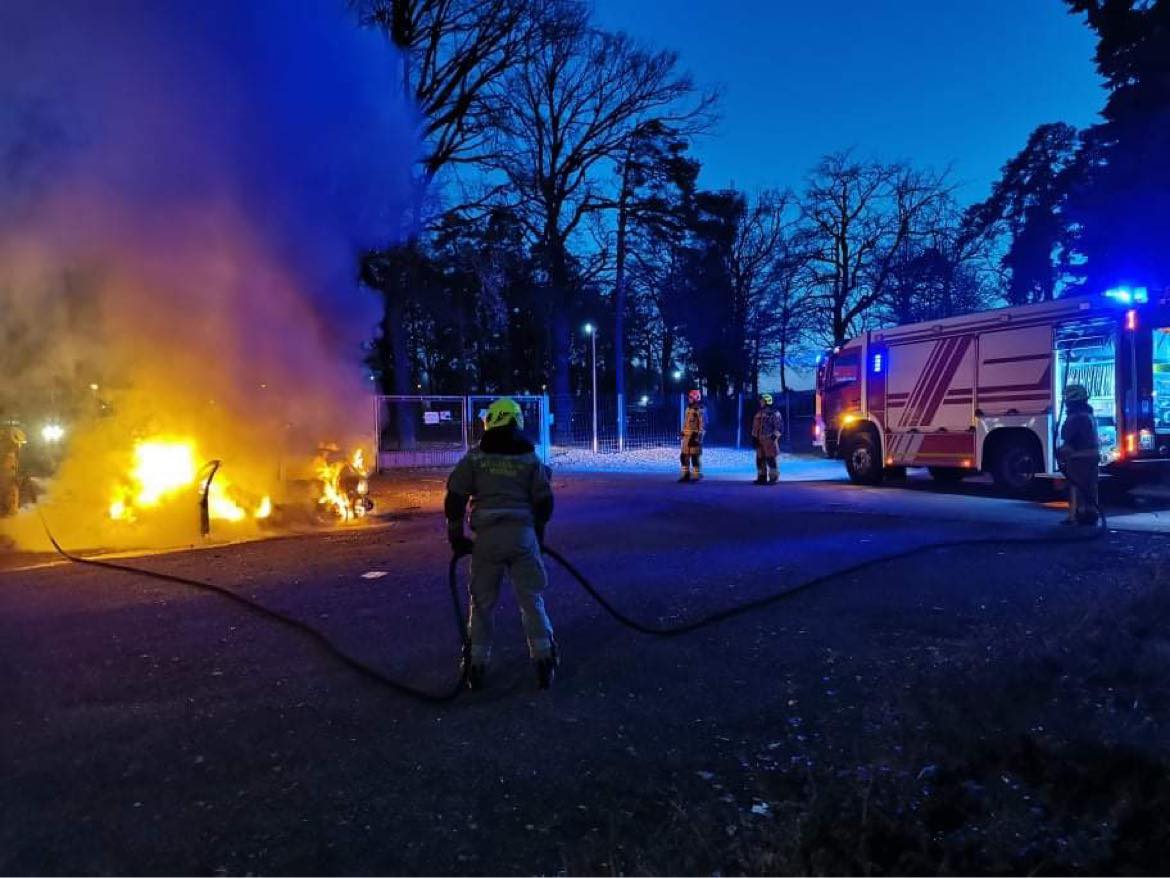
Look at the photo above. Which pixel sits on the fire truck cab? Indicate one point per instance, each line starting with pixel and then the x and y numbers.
pixel 984 392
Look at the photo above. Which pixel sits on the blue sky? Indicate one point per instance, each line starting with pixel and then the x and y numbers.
pixel 956 83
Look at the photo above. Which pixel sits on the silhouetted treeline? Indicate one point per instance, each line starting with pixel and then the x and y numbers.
pixel 559 187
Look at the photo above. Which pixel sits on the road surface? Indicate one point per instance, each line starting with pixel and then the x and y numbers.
pixel 151 728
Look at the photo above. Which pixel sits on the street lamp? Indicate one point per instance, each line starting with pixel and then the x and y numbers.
pixel 591 331
pixel 677 375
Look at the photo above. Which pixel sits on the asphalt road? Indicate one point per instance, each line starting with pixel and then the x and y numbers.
pixel 149 728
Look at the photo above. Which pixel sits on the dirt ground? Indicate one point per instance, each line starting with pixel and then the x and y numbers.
pixel 994 708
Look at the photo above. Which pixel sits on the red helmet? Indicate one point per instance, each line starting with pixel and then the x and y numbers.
pixel 694 395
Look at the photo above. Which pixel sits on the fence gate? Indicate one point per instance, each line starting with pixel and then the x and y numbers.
pixel 420 430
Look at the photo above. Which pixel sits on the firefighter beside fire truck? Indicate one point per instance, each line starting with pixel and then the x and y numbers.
pixel 767 427
pixel 985 392
pixel 1079 455
pixel 694 425
pixel 511 503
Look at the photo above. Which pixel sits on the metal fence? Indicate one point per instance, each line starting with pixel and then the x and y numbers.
pixel 417 431
pixel 420 430
pixel 655 422
pixel 536 421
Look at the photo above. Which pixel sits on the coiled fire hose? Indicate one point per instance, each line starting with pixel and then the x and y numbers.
pixel 377 676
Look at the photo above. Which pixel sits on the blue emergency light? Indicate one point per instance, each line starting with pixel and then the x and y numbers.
pixel 877 364
pixel 1129 295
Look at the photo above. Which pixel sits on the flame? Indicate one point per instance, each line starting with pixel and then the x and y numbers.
pixel 334 496
pixel 164 469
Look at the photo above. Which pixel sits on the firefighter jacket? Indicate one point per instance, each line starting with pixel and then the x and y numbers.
pixel 767 424
pixel 1078 435
pixel 694 420
pixel 504 480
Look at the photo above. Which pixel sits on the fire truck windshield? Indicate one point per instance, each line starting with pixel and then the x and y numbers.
pixel 842 368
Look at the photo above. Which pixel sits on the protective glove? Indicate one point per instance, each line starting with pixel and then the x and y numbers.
pixel 460 544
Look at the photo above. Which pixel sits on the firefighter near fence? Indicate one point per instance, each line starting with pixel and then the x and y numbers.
pixel 510 493
pixel 767 428
pixel 694 428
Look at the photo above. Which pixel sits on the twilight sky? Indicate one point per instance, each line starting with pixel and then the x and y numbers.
pixel 937 82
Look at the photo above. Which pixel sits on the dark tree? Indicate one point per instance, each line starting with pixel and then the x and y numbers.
pixel 1029 204
pixel 860 215
pixel 1120 208
pixel 452 51
pixel 572 106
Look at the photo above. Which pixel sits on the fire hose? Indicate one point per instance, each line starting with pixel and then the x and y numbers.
pixel 375 675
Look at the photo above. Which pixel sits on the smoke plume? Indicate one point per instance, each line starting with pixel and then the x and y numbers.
pixel 183 189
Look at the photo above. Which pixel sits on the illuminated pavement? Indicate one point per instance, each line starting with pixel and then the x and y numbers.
pixel 148 728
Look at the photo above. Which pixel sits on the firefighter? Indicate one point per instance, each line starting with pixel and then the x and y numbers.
pixel 767 427
pixel 1079 455
pixel 12 438
pixel 511 503
pixel 694 425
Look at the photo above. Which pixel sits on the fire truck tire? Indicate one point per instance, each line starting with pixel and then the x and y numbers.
pixel 1015 465
pixel 863 461
pixel 947 475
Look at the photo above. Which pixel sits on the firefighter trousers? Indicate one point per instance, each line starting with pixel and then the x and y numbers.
pixel 1082 488
pixel 512 548
pixel 767 459
pixel 691 453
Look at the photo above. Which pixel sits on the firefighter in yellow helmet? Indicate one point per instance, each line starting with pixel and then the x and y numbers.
pixel 694 426
pixel 12 439
pixel 1079 455
pixel 767 427
pixel 511 502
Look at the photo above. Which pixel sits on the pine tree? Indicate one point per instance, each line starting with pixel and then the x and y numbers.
pixel 1120 211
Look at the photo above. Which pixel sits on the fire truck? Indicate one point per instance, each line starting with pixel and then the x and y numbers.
pixel 983 393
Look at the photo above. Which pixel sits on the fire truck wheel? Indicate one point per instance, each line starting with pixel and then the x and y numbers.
pixel 862 460
pixel 947 475
pixel 1015 465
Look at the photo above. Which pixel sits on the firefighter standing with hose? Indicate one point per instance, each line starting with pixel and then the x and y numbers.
pixel 694 425
pixel 767 428
pixel 1079 455
pixel 511 503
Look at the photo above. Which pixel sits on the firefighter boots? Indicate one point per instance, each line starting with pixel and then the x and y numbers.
pixel 473 673
pixel 546 668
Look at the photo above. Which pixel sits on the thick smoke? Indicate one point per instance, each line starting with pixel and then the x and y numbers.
pixel 183 188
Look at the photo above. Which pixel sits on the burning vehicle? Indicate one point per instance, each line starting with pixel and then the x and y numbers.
pixel 342 484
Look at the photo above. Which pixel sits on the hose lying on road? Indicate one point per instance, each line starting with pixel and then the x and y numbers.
pixel 373 674
pixel 769 599
pixel 315 635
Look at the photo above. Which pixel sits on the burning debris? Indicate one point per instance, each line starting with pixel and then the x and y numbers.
pixel 344 484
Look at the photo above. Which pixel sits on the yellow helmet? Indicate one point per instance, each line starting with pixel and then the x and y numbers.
pixel 1076 393
pixel 766 398
pixel 504 410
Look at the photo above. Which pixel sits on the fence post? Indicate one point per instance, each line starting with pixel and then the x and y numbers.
pixel 466 422
pixel 377 438
pixel 545 428
pixel 738 419
pixel 621 422
pixel 682 410
pixel 788 417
